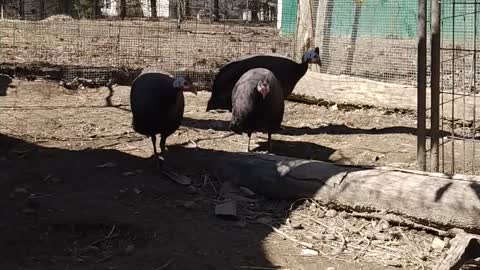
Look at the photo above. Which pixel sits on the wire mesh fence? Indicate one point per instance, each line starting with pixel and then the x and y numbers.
pixel 374 39
pixel 94 39
pixel 458 87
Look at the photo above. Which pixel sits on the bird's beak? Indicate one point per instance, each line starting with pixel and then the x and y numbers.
pixel 318 62
pixel 192 89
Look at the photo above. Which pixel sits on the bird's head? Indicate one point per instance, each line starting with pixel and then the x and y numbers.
pixel 184 84
pixel 313 57
pixel 263 87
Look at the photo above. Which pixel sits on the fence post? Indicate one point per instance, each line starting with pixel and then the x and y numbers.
pixel 304 31
pixel 421 85
pixel 435 84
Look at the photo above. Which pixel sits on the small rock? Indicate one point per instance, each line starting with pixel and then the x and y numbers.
pixel 92 249
pixel 330 237
pixel 228 208
pixel 330 268
pixel 128 173
pixel 107 165
pixel 382 236
pixel 247 192
pixel 178 178
pixel 438 244
pixel 321 213
pixel 191 189
pixel 11 196
pixel 343 214
pixel 28 211
pixel 241 223
pixel 190 205
pixel 265 220
pixel 383 225
pixel 446 240
pixel 309 252
pixel 331 213
pixel 137 191
pixel 129 249
pixel 21 190
pixel 296 225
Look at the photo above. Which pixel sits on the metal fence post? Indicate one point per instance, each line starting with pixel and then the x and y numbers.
pixel 435 84
pixel 421 85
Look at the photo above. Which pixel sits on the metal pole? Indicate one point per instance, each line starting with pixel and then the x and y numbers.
pixel 421 85
pixel 435 84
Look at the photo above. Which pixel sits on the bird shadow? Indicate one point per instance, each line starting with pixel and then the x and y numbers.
pixel 5 82
pixel 302 150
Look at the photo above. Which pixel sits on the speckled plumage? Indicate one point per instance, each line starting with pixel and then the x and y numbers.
pixel 250 112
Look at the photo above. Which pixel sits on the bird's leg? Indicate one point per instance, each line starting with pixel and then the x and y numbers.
pixel 155 153
pixel 163 140
pixel 248 144
pixel 269 143
pixel 154 142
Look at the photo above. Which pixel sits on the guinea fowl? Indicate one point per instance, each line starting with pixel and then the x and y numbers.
pixel 286 70
pixel 157 104
pixel 257 104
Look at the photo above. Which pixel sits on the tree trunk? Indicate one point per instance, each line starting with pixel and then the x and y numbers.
pixel 153 6
pixel 427 199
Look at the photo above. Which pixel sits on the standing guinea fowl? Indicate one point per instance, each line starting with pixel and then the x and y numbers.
pixel 157 103
pixel 257 104
pixel 286 70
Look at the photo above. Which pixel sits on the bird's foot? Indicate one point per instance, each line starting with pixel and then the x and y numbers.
pixel 158 160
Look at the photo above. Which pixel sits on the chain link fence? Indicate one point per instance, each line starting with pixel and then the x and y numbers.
pixel 102 39
pixel 373 39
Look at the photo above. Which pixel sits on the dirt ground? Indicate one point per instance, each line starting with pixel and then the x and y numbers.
pixel 79 192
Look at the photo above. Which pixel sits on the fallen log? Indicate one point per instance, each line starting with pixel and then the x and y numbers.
pixel 435 200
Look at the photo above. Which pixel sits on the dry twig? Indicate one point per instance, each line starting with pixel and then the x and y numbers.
pixel 305 244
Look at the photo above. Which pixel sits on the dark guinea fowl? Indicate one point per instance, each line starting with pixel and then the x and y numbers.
pixel 157 104
pixel 286 70
pixel 257 104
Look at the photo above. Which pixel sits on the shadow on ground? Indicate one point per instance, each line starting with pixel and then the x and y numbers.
pixel 4 83
pixel 303 150
pixel 55 202
pixel 106 209
pixel 331 129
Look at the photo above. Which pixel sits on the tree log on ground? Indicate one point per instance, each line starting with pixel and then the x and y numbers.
pixel 434 200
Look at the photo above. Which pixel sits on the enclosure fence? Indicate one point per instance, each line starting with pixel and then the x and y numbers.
pixel 99 40
pixel 373 39
pixel 447 110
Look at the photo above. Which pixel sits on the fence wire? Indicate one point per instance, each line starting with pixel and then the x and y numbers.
pixel 458 84
pixel 95 39
pixel 374 39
